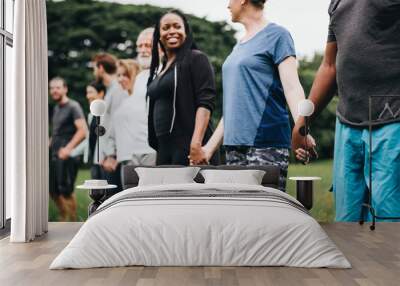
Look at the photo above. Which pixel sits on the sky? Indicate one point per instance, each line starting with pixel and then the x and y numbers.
pixel 307 20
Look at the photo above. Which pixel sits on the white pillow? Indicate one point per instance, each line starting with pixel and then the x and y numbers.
pixel 166 176
pixel 248 177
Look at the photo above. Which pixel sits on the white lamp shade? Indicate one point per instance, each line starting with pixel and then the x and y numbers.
pixel 306 107
pixel 98 107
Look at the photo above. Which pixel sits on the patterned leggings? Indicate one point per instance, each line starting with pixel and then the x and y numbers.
pixel 250 156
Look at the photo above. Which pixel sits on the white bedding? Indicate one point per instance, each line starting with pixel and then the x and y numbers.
pixel 202 231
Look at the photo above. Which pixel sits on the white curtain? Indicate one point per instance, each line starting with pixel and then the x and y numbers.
pixel 27 124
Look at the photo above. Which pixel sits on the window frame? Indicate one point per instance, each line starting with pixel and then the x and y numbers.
pixel 6 39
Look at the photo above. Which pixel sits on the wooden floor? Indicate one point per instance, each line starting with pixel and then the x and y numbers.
pixel 375 257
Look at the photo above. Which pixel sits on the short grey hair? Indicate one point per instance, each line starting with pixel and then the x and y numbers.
pixel 146 31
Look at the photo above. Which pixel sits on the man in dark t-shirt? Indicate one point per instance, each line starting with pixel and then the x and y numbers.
pixel 68 130
pixel 362 59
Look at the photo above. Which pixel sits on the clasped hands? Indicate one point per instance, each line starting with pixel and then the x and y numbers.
pixel 109 164
pixel 199 155
pixel 300 144
pixel 304 149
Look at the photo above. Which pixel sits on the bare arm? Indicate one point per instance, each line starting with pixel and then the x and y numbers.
pixel 79 135
pixel 322 91
pixel 293 90
pixel 201 123
pixel 215 141
pixel 110 163
pixel 324 86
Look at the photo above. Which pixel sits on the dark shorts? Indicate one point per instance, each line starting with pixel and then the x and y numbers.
pixel 250 156
pixel 62 176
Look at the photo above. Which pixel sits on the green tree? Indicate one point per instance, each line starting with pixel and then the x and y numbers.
pixel 78 29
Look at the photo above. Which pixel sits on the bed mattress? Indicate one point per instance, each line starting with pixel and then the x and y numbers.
pixel 201 225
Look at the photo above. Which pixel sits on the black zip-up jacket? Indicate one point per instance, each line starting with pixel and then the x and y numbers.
pixel 194 87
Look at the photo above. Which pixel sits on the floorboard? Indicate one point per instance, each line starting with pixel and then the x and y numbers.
pixel 375 257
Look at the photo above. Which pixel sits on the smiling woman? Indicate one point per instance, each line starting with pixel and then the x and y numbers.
pixel 182 92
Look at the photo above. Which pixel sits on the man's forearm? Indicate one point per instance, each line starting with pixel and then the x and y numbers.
pixel 78 137
pixel 324 88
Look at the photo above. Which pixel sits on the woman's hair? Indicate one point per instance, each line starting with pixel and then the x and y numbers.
pixel 98 86
pixel 258 3
pixel 188 45
pixel 131 68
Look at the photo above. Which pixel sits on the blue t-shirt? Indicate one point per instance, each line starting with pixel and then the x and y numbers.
pixel 254 105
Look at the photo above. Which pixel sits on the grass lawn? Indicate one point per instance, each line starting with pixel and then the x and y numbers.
pixel 323 199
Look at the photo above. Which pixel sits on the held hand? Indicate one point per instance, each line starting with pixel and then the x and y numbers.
pixel 299 145
pixel 64 153
pixel 197 155
pixel 297 138
pixel 208 154
pixel 113 163
pixel 105 165
pixel 305 156
pixel 109 164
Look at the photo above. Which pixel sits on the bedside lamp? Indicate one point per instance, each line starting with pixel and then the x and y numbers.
pixel 304 185
pixel 98 188
pixel 98 108
pixel 305 109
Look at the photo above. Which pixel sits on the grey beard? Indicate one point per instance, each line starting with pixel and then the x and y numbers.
pixel 144 62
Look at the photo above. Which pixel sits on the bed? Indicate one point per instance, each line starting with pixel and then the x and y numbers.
pixel 197 224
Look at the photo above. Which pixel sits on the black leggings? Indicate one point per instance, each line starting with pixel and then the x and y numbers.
pixel 173 150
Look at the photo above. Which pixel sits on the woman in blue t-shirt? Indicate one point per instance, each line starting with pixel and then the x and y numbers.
pixel 259 79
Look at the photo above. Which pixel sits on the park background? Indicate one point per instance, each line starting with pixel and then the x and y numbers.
pixel 78 29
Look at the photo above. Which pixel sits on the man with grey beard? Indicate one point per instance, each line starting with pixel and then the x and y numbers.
pixel 128 138
pixel 144 44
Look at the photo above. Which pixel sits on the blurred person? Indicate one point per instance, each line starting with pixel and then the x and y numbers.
pixel 181 93
pixel 105 70
pixel 127 70
pixel 94 90
pixel 362 59
pixel 129 138
pixel 67 131
pixel 259 80
pixel 144 45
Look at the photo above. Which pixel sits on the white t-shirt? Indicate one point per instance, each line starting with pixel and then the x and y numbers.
pixel 129 123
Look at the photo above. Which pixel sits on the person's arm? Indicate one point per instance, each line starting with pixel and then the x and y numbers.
pixel 110 163
pixel 205 93
pixel 201 124
pixel 80 134
pixel 110 149
pixel 322 91
pixel 214 142
pixel 293 90
pixel 324 86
